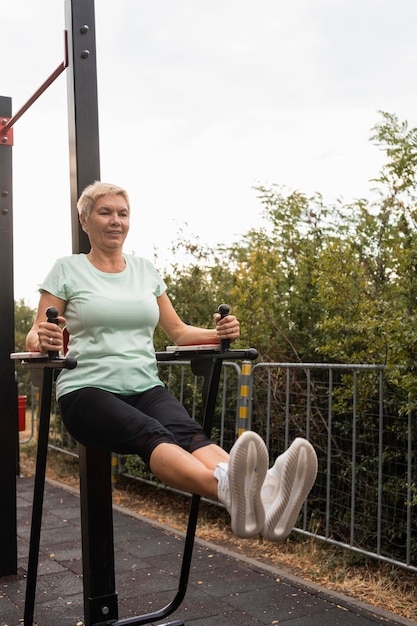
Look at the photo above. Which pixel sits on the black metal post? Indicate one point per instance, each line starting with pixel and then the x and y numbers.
pixel 100 599
pixel 84 153
pixel 38 493
pixel 8 388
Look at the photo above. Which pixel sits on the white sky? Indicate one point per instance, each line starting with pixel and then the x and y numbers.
pixel 200 100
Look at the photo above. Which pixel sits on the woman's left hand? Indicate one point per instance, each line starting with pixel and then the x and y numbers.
pixel 227 327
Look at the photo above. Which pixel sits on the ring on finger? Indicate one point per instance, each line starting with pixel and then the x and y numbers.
pixel 51 341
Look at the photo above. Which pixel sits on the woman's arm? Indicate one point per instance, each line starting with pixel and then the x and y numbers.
pixel 182 334
pixel 39 337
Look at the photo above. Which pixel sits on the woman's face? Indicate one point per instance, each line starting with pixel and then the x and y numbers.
pixel 108 223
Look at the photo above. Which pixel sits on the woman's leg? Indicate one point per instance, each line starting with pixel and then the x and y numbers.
pixel 210 456
pixel 182 470
pixel 188 472
pixel 235 480
pixel 100 419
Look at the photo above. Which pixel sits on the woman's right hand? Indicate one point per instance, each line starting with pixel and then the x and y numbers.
pixel 46 336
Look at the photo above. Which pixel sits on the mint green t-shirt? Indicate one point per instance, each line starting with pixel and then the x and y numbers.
pixel 111 320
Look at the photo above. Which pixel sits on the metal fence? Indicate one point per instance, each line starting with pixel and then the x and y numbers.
pixel 366 446
pixel 364 498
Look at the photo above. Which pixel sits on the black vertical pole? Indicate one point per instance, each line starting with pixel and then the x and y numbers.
pixel 100 599
pixel 84 152
pixel 8 388
pixel 38 493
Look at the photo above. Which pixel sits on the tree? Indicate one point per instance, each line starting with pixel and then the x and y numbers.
pixel 24 317
pixel 336 283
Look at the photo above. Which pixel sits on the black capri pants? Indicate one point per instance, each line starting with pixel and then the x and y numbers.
pixel 130 424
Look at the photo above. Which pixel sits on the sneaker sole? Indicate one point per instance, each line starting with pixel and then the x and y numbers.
pixel 298 474
pixel 248 465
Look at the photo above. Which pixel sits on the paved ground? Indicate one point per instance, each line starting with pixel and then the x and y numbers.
pixel 224 590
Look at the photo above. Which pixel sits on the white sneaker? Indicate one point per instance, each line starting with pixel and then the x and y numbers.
pixel 286 486
pixel 240 482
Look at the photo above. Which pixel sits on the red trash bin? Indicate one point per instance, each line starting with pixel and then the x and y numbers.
pixel 21 411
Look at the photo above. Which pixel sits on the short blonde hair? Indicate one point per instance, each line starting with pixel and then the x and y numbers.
pixel 97 190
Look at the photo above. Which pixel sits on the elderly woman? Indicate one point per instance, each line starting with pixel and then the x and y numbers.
pixel 115 400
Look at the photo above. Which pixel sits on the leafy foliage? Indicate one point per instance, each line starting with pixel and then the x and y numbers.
pixel 331 283
pixel 23 316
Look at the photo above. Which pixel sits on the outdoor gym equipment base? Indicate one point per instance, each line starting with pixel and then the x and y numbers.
pixel 100 596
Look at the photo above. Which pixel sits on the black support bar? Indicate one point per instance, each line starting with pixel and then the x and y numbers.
pixel 8 388
pixel 39 488
pixel 100 597
pixel 83 128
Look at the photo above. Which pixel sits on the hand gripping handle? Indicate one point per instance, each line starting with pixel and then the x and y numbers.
pixel 52 316
pixel 68 362
pixel 225 343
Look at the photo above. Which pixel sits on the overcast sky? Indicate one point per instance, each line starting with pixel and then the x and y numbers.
pixel 199 101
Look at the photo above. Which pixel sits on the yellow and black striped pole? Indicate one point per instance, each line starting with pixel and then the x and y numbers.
pixel 114 470
pixel 243 418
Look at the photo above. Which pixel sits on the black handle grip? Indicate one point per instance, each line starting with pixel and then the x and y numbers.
pixel 225 343
pixel 69 362
pixel 52 316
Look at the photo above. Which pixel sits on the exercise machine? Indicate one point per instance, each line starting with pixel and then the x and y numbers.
pixel 100 597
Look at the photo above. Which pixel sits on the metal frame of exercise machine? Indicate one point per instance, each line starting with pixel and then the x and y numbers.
pixel 100 596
